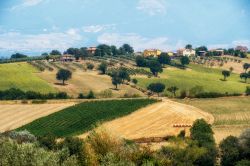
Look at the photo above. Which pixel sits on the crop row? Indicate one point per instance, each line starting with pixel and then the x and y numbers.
pixel 81 118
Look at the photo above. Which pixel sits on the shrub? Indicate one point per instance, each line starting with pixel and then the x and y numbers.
pixel 243 163
pixel 81 96
pixel 62 95
pixel 106 93
pixel 91 95
pixel 39 101
pixel 248 90
pixel 90 66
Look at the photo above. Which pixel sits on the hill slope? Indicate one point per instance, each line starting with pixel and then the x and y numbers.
pixel 22 76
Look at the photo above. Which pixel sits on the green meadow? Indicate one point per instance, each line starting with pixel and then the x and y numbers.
pixel 81 118
pixel 195 75
pixel 22 76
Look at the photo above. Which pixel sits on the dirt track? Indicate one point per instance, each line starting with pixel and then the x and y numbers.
pixel 13 116
pixel 157 120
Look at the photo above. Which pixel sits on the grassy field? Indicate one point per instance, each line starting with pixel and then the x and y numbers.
pixel 81 118
pixel 22 76
pixel 232 115
pixel 195 75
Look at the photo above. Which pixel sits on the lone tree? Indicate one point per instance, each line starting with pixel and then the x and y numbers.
pixel 63 75
pixel 226 74
pixel 184 60
pixel 246 66
pixel 173 90
pixel 156 88
pixel 245 76
pixel 103 67
pixel 123 74
pixel 116 79
pixel 155 67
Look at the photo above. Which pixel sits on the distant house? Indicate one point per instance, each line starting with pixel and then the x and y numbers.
pixel 217 52
pixel 242 48
pixel 186 52
pixel 202 53
pixel 91 50
pixel 67 58
pixel 152 52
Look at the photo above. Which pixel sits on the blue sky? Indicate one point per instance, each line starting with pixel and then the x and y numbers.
pixel 36 26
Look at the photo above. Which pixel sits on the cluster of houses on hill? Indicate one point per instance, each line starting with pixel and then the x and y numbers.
pixel 180 52
pixel 155 53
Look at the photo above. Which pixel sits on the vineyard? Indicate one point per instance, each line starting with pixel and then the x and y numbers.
pixel 81 118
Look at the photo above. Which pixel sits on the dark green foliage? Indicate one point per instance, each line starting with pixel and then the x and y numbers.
pixel 230 151
pixel 189 46
pixel 63 75
pixel 182 134
pixel 156 88
pixel 91 95
pixel 135 81
pixel 47 141
pixel 184 60
pixel 17 94
pixel 243 163
pixel 244 140
pixel 202 132
pixel 90 66
pixel 81 118
pixel 103 67
pixel 155 67
pixel 116 79
pixel 226 74
pixel 55 52
pixel 141 61
pixel 248 90
pixel 81 96
pixel 126 49
pixel 123 74
pixel 18 56
pixel 246 66
pixel 245 76
pixel 164 58
pixel 103 50
pixel 173 90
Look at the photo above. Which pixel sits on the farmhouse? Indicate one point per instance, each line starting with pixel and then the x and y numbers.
pixel 67 58
pixel 91 50
pixel 152 52
pixel 186 52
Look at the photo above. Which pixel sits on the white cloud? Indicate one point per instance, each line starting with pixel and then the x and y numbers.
pixel 152 7
pixel 98 28
pixel 27 3
pixel 241 43
pixel 13 41
pixel 138 42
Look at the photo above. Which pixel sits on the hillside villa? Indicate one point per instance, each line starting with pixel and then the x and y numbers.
pixel 186 52
pixel 67 58
pixel 151 52
pixel 91 50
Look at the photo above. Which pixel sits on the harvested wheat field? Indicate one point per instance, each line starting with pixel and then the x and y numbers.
pixel 157 120
pixel 16 115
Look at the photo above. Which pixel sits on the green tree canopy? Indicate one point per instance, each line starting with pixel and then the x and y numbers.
pixel 63 75
pixel 156 88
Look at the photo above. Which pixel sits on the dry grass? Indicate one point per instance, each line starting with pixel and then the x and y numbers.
pixel 157 120
pixel 232 114
pixel 16 115
pixel 83 82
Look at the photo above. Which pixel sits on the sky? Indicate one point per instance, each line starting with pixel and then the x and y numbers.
pixel 36 26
